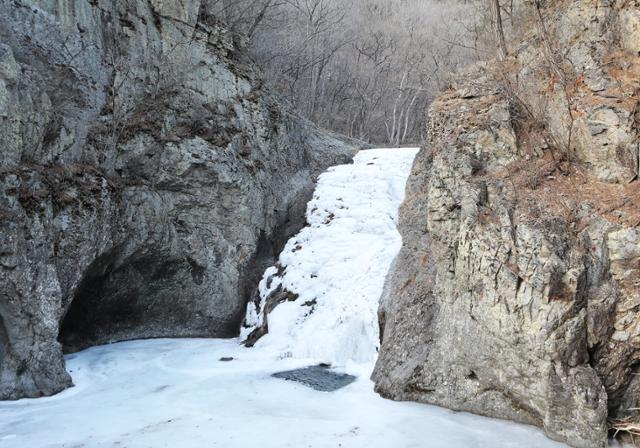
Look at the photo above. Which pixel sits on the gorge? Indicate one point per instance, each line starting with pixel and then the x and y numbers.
pixel 153 186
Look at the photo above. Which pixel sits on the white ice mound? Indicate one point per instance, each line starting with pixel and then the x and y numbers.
pixel 331 274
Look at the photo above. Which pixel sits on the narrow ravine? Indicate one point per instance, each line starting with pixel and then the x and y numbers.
pixel 219 393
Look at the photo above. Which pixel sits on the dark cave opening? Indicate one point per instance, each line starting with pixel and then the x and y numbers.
pixel 151 292
pixel 137 297
pixel 88 318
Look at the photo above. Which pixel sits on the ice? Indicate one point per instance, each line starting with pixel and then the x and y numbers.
pixel 177 394
pixel 337 265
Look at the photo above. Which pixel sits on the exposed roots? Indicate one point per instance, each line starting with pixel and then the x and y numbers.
pixel 626 429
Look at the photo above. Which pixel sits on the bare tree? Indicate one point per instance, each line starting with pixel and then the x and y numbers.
pixel 244 16
pixel 496 22
pixel 365 68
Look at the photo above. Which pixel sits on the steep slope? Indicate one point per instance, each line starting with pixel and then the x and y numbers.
pixel 146 179
pixel 516 293
pixel 320 300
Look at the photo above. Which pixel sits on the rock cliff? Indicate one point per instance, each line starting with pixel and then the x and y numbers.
pixel 146 179
pixel 517 291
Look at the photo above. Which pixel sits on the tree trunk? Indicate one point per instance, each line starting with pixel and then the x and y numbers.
pixel 550 55
pixel 496 22
pixel 406 118
pixel 259 18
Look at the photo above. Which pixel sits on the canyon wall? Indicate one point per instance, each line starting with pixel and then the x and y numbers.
pixel 517 291
pixel 147 177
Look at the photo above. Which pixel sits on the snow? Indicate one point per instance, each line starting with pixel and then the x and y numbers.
pixel 177 394
pixel 180 394
pixel 338 263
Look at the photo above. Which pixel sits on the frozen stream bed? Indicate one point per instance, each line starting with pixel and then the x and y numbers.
pixel 178 394
pixel 218 393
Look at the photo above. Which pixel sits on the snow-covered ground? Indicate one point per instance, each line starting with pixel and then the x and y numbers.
pixel 177 394
pixel 180 394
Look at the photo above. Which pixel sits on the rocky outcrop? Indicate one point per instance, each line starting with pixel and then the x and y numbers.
pixel 146 179
pixel 517 291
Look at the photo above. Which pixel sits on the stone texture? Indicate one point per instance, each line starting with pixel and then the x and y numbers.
pixel 590 87
pixel 516 293
pixel 630 32
pixel 146 178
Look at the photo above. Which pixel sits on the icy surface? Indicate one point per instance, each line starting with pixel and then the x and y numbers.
pixel 216 393
pixel 177 394
pixel 337 265
pixel 320 377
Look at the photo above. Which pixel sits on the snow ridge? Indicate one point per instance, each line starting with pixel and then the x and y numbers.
pixel 336 266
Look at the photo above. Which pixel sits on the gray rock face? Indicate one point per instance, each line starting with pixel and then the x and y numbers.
pixel 594 111
pixel 146 178
pixel 516 293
